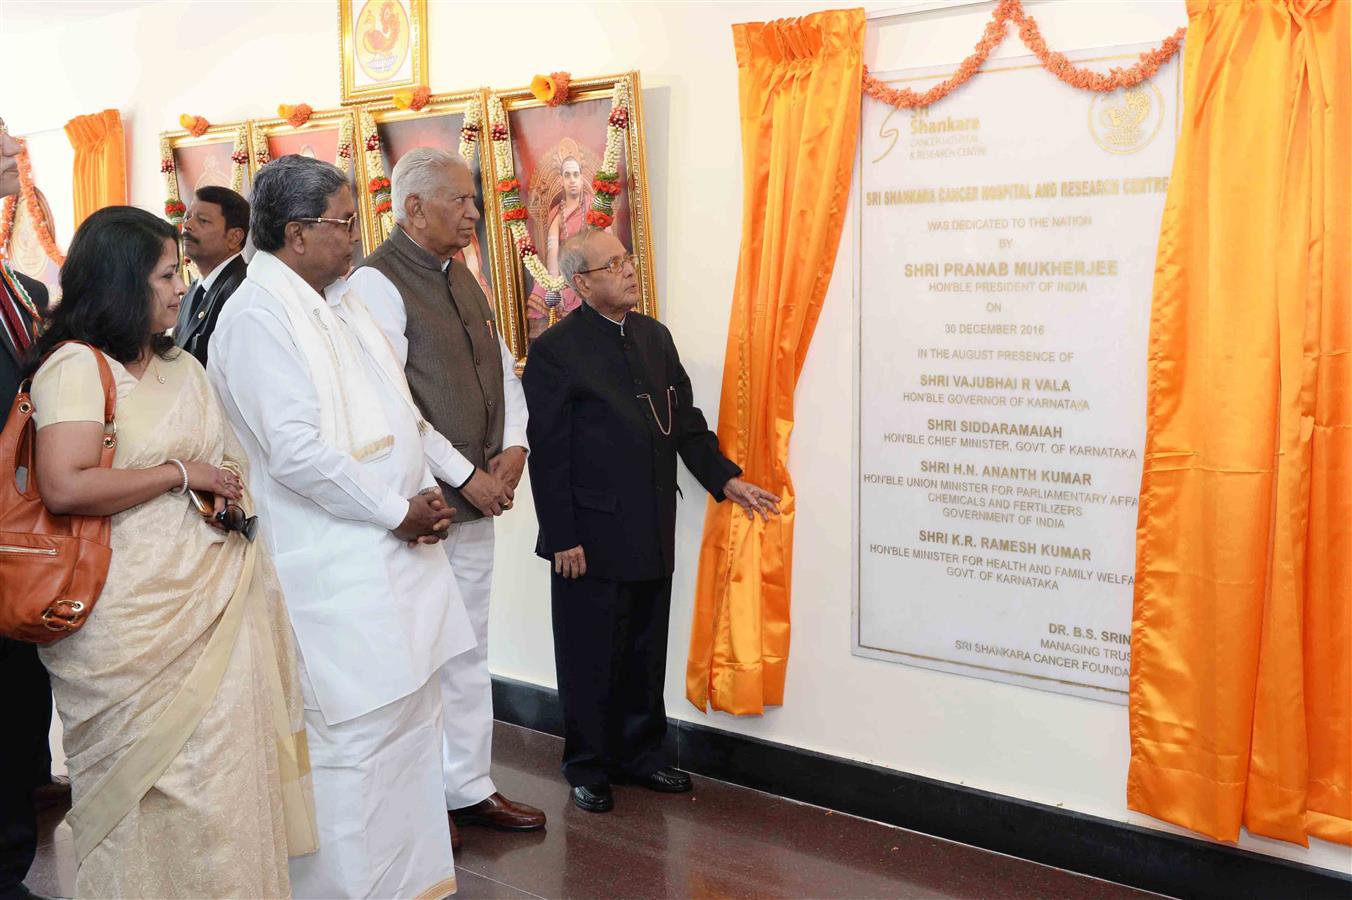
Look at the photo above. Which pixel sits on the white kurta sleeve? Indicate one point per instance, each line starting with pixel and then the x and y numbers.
pixel 514 400
pixel 386 306
pixel 448 463
pixel 260 368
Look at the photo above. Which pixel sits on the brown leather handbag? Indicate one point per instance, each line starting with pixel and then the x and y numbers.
pixel 52 568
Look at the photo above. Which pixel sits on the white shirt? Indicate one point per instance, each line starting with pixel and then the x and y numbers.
pixel 387 308
pixel 374 618
pixel 618 323
pixel 209 279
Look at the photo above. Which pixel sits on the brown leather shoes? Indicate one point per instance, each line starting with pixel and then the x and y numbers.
pixel 455 832
pixel 500 813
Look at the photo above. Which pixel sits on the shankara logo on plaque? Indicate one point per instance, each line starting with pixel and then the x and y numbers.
pixel 1126 121
pixel 1006 261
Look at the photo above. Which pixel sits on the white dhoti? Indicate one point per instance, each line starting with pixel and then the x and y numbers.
pixel 382 826
pixel 466 686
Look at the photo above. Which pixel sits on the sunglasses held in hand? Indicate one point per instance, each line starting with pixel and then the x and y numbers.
pixel 232 518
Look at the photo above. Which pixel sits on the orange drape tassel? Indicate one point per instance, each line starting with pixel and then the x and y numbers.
pixel 1241 682
pixel 100 162
pixel 800 90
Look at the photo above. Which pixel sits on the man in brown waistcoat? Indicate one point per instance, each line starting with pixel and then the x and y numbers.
pixel 463 379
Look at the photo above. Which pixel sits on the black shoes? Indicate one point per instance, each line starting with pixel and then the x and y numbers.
pixel 598 798
pixel 665 780
pixel 594 797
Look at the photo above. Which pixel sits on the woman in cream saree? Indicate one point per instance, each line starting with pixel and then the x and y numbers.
pixel 178 696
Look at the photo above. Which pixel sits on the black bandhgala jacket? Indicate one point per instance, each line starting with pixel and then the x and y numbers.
pixel 610 410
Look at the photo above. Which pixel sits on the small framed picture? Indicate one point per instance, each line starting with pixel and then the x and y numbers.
pixel 557 152
pixel 438 124
pixel 328 135
pixel 382 45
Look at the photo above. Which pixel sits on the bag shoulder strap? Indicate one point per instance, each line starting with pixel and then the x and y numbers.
pixel 109 399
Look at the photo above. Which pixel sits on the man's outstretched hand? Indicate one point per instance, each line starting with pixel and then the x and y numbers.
pixel 751 498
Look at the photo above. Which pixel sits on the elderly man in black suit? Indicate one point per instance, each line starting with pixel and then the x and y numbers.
pixel 25 758
pixel 214 232
pixel 610 410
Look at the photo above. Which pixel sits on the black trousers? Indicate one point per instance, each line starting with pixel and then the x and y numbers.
pixel 25 758
pixel 610 651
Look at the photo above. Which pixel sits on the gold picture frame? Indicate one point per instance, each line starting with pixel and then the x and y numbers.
pixel 543 139
pixel 206 158
pixel 323 136
pixel 438 124
pixel 382 48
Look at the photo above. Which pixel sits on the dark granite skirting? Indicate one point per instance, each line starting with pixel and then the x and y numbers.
pixel 1127 854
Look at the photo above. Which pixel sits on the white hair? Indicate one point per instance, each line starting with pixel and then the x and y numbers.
pixel 420 172
pixel 573 255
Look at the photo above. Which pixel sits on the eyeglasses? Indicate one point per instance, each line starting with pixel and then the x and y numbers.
pixel 615 266
pixel 346 223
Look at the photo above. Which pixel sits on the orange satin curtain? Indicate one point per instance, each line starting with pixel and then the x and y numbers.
pixel 100 162
pixel 799 82
pixel 1241 682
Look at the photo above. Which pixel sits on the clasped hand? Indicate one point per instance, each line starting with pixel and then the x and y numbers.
pixel 489 492
pixel 428 519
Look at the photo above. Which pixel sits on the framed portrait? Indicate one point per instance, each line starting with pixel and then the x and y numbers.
pixel 438 125
pixel 328 135
pixel 557 151
pixel 209 159
pixel 382 45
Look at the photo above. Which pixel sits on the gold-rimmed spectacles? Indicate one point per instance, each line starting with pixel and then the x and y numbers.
pixel 347 223
pixel 615 266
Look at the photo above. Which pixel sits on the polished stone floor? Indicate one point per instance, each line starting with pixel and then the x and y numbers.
pixel 719 841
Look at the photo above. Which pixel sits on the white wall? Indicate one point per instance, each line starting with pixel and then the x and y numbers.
pixel 233 60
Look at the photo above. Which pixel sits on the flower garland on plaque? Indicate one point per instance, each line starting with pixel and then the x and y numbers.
pixel 1012 11
pixel 606 183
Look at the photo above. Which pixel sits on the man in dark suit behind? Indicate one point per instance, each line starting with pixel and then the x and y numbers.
pixel 25 757
pixel 214 232
pixel 610 409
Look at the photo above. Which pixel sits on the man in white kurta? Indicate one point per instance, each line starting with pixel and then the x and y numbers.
pixel 463 378
pixel 336 451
